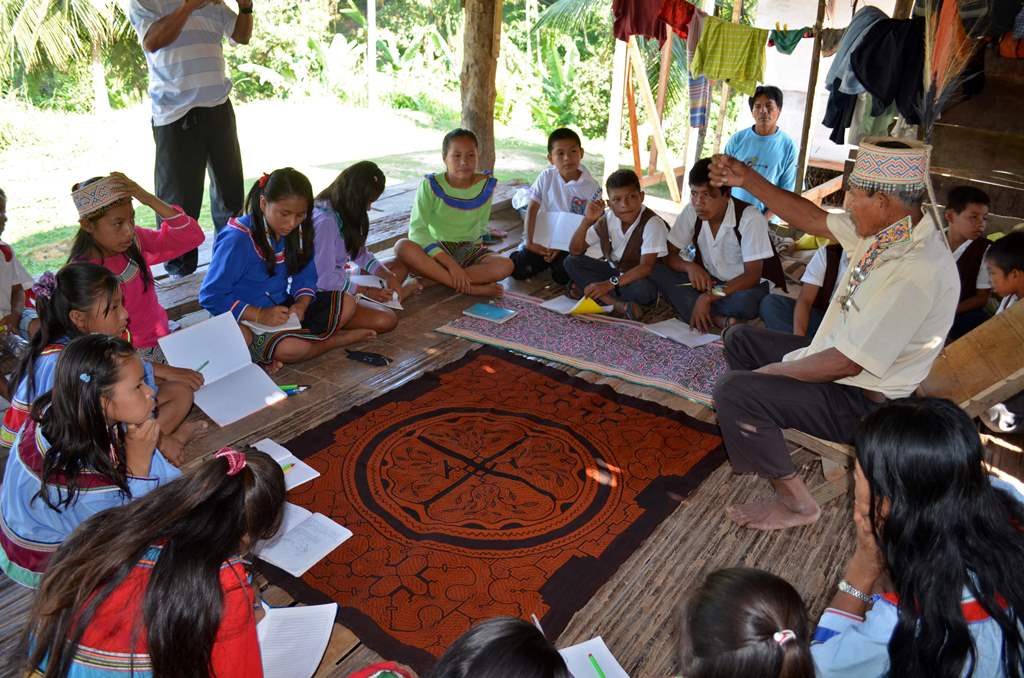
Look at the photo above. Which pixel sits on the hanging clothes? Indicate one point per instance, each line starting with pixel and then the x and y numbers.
pixel 889 63
pixel 838 112
pixel 786 41
pixel 865 124
pixel 678 14
pixel 700 87
pixel 862 21
pixel 731 52
pixel 638 17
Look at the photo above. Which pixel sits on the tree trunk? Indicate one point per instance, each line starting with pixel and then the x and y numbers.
pixel 481 42
pixel 100 98
pixel 371 53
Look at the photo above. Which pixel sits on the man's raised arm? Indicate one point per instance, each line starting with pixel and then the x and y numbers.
pixel 166 30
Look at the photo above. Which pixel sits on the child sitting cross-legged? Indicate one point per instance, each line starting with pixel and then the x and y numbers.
pixel 720 255
pixel 84 298
pixel 90 445
pixel 614 251
pixel 263 271
pixel 566 186
pixel 342 225
pixel 1005 262
pixel 159 587
pixel 448 222
pixel 966 210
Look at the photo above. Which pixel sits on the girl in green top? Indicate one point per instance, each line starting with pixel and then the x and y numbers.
pixel 448 220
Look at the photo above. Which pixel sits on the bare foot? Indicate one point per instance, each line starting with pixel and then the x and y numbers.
pixel 410 290
pixel 491 290
pixel 172 449
pixel 346 337
pixel 190 430
pixel 771 515
pixel 272 367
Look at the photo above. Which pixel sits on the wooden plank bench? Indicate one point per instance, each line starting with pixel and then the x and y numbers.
pixel 979 370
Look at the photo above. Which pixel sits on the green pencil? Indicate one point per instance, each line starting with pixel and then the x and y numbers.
pixel 597 667
pixel 200 368
pixel 287 387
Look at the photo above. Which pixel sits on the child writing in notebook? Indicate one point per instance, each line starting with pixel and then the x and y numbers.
pixel 84 298
pixel 108 236
pixel 158 587
pixel 263 272
pixel 341 226
pixel 89 445
pixel 448 221
pixel 745 622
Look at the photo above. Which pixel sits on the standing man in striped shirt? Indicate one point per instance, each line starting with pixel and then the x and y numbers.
pixel 193 121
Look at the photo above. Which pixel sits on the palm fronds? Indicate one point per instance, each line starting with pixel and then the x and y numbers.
pixel 574 16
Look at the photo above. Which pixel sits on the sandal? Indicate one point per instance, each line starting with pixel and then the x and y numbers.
pixel 629 310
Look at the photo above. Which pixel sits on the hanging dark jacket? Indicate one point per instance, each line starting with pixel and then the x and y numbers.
pixel 889 62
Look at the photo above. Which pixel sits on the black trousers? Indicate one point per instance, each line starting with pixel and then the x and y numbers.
pixel 528 264
pixel 204 141
pixel 753 408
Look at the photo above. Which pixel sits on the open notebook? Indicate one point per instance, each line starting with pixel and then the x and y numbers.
pixel 296 471
pixel 554 230
pixel 235 387
pixel 303 540
pixel 293 639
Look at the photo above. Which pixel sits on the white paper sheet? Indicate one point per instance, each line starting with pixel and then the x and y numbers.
pixel 293 639
pixel 235 387
pixel 681 333
pixel 296 471
pixel 292 323
pixel 565 305
pixel 392 303
pixel 368 281
pixel 554 230
pixel 305 544
pixel 293 516
pixel 577 658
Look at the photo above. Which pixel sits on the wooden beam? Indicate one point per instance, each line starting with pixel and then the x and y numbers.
pixel 822 191
pixel 481 43
pixel 371 53
pixel 665 156
pixel 812 83
pixel 634 135
pixel 666 66
pixel 613 137
pixel 903 9
pixel 658 177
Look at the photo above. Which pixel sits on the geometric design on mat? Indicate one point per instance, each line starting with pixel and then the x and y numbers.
pixel 610 346
pixel 494 486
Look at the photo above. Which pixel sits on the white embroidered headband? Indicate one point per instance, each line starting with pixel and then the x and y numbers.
pixel 95 196
pixel 891 170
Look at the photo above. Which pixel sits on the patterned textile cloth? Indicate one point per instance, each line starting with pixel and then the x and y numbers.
pixel 610 346
pixel 96 195
pixel 493 486
pixel 700 87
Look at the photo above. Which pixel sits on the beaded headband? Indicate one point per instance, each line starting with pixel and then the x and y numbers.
pixel 891 170
pixel 97 195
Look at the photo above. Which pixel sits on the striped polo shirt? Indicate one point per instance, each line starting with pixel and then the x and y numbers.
pixel 190 72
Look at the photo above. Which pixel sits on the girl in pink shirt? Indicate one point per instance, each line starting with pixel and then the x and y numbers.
pixel 109 236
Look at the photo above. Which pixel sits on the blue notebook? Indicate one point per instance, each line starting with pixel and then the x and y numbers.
pixel 490 312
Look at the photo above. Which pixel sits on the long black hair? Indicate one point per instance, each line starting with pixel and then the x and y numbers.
pixel 729 626
pixel 503 647
pixel 78 287
pixel 84 246
pixel 947 529
pixel 349 195
pixel 298 245
pixel 201 520
pixel 73 421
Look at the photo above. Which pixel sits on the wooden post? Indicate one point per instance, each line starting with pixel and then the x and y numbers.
pixel 723 107
pixel 664 155
pixel 371 53
pixel 613 137
pixel 481 42
pixel 634 135
pixel 666 65
pixel 903 9
pixel 812 84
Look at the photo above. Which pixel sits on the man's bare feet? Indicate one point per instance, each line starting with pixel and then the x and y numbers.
pixel 792 506
pixel 491 290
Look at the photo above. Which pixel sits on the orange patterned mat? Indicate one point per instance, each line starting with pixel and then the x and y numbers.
pixel 494 486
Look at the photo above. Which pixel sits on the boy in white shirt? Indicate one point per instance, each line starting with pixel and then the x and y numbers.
pixel 566 186
pixel 614 251
pixel 966 210
pixel 1005 262
pixel 14 280
pixel 801 316
pixel 719 253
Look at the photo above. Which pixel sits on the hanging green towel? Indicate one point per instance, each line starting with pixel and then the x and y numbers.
pixel 732 52
pixel 786 41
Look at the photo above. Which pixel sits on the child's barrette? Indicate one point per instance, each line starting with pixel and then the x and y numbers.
pixel 783 636
pixel 235 459
pixel 262 182
pixel 85 377
pixel 45 286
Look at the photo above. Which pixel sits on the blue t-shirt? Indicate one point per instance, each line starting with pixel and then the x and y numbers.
pixel 773 156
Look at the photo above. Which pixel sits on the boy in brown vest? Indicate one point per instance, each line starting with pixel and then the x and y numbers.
pixel 614 251
pixel 803 315
pixel 966 209
pixel 720 257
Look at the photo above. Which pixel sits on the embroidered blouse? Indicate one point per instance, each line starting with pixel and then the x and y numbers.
pixel 238 278
pixel 331 255
pixel 147 319
pixel 442 213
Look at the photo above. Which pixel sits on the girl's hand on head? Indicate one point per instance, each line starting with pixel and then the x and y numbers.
pixel 272 316
pixel 123 183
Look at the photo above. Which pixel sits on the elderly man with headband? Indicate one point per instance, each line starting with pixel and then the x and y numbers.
pixel 883 328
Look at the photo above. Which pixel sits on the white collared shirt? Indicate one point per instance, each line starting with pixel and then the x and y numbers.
pixel 723 255
pixel 814 274
pixel 902 310
pixel 653 242
pixel 555 194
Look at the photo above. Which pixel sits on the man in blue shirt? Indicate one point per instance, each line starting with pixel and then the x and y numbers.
pixel 764 147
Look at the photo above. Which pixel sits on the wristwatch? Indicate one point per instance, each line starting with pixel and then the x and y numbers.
pixel 244 10
pixel 849 590
pixel 615 281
